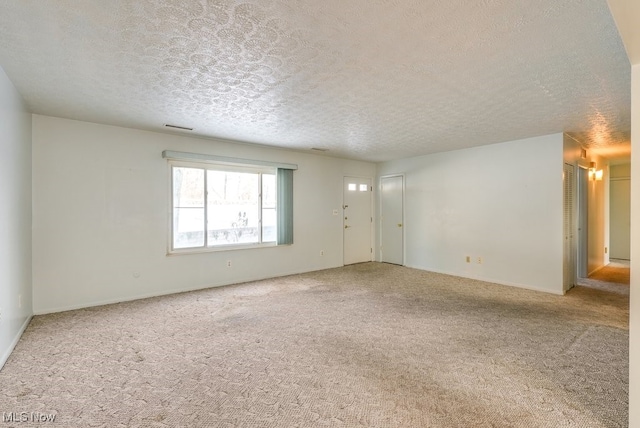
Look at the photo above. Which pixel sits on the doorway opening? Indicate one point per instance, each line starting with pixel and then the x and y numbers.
pixel 612 272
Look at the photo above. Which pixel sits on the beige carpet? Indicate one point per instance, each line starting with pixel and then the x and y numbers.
pixel 369 345
pixel 613 272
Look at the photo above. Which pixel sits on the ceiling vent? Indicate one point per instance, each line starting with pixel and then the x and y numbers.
pixel 183 128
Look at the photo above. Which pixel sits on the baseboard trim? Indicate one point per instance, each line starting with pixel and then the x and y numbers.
pixel 12 346
pixel 595 270
pixel 259 278
pixel 492 281
pixel 171 291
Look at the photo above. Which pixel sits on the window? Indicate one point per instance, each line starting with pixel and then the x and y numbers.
pixel 219 205
pixel 352 187
pixel 219 202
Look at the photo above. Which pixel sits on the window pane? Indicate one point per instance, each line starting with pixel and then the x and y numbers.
pixel 188 187
pixel 352 187
pixel 269 225
pixel 269 191
pixel 188 207
pixel 188 227
pixel 269 220
pixel 232 204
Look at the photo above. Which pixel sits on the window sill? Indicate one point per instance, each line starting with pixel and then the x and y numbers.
pixel 219 248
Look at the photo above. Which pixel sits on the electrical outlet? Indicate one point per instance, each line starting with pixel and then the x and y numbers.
pixel 228 263
pixel 605 250
pixel 479 260
pixel 468 259
pixel 322 252
pixel 19 301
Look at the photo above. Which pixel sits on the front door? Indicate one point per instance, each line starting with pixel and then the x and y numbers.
pixel 357 220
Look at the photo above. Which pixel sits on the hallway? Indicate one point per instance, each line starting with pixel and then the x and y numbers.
pixel 614 277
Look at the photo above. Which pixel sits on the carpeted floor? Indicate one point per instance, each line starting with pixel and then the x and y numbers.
pixel 614 272
pixel 369 345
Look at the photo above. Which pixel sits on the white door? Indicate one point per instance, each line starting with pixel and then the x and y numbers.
pixel 620 220
pixel 569 264
pixel 357 220
pixel 391 231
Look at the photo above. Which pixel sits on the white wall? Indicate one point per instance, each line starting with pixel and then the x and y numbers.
pixel 634 309
pixel 501 202
pixel 101 196
pixel 607 213
pixel 15 216
pixel 627 14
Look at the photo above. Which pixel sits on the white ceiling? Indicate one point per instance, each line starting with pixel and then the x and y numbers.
pixel 626 14
pixel 366 79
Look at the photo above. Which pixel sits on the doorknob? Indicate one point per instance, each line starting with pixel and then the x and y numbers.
pixel 346 227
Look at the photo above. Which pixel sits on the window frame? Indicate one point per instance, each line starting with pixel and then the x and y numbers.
pixel 215 166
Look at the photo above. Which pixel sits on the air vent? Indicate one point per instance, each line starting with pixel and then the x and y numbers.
pixel 183 128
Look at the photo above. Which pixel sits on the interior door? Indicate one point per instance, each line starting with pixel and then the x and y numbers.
pixel 620 218
pixel 391 231
pixel 357 220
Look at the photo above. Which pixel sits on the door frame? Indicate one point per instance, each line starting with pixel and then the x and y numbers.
pixel 404 234
pixel 582 219
pixel 573 230
pixel 371 212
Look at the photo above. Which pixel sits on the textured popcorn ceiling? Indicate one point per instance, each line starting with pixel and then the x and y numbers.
pixel 366 79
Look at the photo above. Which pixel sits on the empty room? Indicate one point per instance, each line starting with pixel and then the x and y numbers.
pixel 294 214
